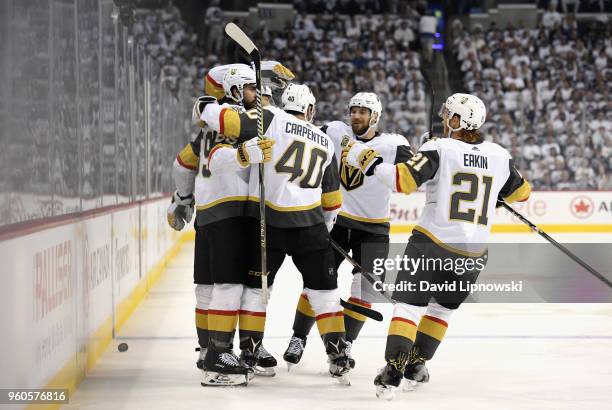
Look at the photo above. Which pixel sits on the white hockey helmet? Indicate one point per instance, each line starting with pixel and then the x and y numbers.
pixel 237 77
pixel 470 109
pixel 370 101
pixel 298 97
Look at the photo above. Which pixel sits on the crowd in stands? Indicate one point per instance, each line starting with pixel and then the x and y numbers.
pixel 337 55
pixel 174 46
pixel 340 55
pixel 547 90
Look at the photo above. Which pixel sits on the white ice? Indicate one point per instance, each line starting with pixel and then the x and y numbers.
pixel 495 356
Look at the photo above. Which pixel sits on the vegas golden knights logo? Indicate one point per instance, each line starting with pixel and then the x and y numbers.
pixel 350 177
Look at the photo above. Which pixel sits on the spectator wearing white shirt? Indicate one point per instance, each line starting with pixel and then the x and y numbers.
pixel 514 79
pixel 549 146
pixel 551 18
pixel 600 122
pixel 213 19
pixel 520 57
pixel 531 151
pixel 427 30
pixel 403 35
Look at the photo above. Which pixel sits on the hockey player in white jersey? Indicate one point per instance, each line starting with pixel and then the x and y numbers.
pixel 363 219
pixel 220 202
pixel 464 178
pixel 302 194
pixel 275 76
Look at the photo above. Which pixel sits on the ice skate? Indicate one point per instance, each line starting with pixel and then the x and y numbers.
pixel 261 361
pixel 390 377
pixel 416 372
pixel 294 351
pixel 266 363
pixel 222 368
pixel 338 360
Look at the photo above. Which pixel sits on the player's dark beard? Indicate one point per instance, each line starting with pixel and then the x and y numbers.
pixel 249 105
pixel 358 129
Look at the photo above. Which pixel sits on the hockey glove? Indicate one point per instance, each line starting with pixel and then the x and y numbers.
pixel 276 74
pixel 180 211
pixel 255 151
pixel 361 156
pixel 198 109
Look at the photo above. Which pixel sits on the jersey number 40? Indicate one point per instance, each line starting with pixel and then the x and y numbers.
pixel 292 163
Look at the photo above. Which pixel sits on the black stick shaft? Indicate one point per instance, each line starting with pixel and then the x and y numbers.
pixel 262 191
pixel 369 276
pixel 362 310
pixel 431 99
pixel 562 248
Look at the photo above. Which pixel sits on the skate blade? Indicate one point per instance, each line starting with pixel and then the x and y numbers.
pixel 385 392
pixel 250 374
pixel 223 380
pixel 290 366
pixel 265 371
pixel 409 385
pixel 342 380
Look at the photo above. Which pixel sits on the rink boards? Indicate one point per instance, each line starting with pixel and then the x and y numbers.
pixel 67 288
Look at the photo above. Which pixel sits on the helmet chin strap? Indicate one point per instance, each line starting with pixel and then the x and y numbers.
pixel 312 114
pixel 371 125
pixel 451 129
pixel 240 98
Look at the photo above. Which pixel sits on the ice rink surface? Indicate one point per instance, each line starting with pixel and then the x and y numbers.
pixel 495 356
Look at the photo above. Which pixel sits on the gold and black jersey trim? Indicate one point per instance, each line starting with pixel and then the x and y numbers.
pixel 221 209
pixel 420 168
pixel 331 177
pixel 242 126
pixel 420 230
pixel 197 143
pixel 187 158
pixel 287 217
pixel 516 188
pixel 331 200
pixel 375 226
pixel 520 194
pixel 402 154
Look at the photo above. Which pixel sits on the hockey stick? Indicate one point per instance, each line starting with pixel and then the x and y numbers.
pixel 562 248
pixel 431 101
pixel 371 313
pixel 236 34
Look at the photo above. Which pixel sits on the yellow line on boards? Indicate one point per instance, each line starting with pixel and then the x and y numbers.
pixel 75 370
pixel 519 228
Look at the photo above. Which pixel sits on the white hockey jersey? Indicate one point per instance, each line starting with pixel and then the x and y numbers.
pixel 464 181
pixel 302 177
pixel 365 201
pixel 217 196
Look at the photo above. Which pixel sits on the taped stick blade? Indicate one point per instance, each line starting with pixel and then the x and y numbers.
pixel 240 37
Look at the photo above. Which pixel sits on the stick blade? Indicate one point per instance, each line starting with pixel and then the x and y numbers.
pixel 240 37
